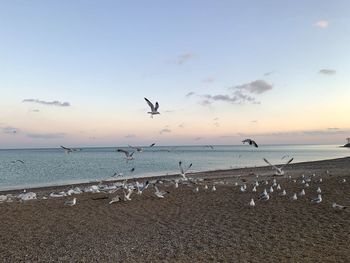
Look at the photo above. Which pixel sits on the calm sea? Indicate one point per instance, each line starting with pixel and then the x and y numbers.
pixel 44 167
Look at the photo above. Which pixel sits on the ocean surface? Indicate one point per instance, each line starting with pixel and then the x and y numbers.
pixel 46 167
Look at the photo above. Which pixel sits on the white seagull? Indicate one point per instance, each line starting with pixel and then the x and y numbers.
pixel 137 148
pixel 317 200
pixel 302 192
pixel 294 197
pixel 127 195
pixel 336 206
pixel 279 170
pixel 158 193
pixel 318 190
pixel 115 199
pixel 284 193
pixel 252 203
pixel 184 171
pixel 128 155
pixel 213 188
pixel 71 202
pixel 154 108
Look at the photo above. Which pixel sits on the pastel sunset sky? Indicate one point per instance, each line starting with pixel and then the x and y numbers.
pixel 76 72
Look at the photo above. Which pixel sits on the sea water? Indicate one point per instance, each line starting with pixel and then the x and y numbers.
pixel 46 167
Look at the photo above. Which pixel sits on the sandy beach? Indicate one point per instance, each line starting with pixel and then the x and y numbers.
pixel 185 226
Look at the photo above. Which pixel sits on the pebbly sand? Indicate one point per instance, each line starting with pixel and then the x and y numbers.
pixel 186 226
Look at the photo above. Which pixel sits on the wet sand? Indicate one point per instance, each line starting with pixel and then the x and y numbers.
pixel 186 226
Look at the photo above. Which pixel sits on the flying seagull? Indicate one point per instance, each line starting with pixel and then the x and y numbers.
pixel 184 171
pixel 137 148
pixel 152 145
pixel 154 108
pixel 69 150
pixel 279 170
pixel 128 155
pixel 251 142
pixel 158 193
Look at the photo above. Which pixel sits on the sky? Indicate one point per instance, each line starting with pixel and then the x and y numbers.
pixel 76 73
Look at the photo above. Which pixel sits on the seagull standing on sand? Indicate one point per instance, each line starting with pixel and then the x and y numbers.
pixel 279 170
pixel 318 190
pixel 302 192
pixel 294 197
pixel 252 203
pixel 184 171
pixel 251 142
pixel 154 108
pixel 71 202
pixel 128 155
pixel 317 200
pixel 284 193
pixel 213 188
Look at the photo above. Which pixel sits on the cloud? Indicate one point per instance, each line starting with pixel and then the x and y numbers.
pixel 268 73
pixel 257 87
pixel 198 138
pixel 10 130
pixel 164 131
pixel 238 97
pixel 51 103
pixel 182 125
pixel 216 124
pixel 184 58
pixel 329 131
pixel 322 24
pixel 35 110
pixel 130 136
pixel 205 102
pixel 189 94
pixel 46 135
pixel 254 121
pixel 327 71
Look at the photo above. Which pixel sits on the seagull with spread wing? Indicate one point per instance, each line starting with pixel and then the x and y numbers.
pixel 154 108
pixel 184 171
pixel 251 142
pixel 69 150
pixel 279 170
pixel 128 155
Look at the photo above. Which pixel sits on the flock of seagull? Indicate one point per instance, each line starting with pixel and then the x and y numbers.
pixel 129 188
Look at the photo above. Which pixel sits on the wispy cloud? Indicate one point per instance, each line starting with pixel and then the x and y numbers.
pixel 35 110
pixel 49 103
pixel 198 138
pixel 165 130
pixel 238 97
pixel 327 71
pixel 46 135
pixel 182 125
pixel 322 24
pixel 257 87
pixel 189 94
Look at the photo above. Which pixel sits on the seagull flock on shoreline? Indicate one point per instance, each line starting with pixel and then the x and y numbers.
pixel 126 189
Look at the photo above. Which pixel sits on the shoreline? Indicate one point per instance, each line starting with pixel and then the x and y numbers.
pixel 210 174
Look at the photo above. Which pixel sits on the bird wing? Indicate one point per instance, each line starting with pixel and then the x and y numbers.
pixel 152 145
pixel 246 140
pixel 157 106
pixel 275 167
pixel 124 151
pixel 188 168
pixel 181 169
pixel 65 148
pixel 150 104
pixel 255 144
pixel 287 163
